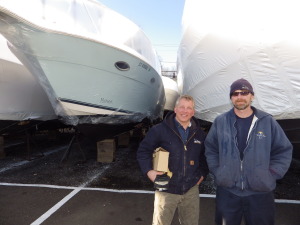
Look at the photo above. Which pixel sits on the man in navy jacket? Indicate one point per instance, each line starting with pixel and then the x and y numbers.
pixel 180 134
pixel 246 151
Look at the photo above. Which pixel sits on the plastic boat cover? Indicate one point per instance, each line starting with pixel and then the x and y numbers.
pixel 92 21
pixel 171 92
pixel 252 39
pixel 21 96
pixel 89 19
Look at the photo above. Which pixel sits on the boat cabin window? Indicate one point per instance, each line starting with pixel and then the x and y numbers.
pixel 122 65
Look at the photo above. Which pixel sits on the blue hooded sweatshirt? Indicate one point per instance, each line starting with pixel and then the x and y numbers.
pixel 267 155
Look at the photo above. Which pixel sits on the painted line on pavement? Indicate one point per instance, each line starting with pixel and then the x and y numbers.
pixel 47 214
pixel 124 191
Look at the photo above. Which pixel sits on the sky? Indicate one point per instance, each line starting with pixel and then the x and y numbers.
pixel 159 19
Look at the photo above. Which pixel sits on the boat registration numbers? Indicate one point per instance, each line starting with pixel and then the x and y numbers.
pixel 144 66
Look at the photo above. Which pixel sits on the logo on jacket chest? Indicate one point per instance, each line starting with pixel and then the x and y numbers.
pixel 260 135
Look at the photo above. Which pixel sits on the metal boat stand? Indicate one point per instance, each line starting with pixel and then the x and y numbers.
pixel 29 141
pixel 75 139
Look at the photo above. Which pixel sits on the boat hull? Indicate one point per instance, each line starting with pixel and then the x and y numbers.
pixel 81 76
pixel 171 92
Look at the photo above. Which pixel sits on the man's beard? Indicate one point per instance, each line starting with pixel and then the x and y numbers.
pixel 241 107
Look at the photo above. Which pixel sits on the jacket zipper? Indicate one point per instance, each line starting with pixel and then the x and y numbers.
pixel 185 149
pixel 248 139
pixel 241 161
pixel 242 177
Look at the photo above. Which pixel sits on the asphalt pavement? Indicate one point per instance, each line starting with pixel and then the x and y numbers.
pixel 22 204
pixel 44 191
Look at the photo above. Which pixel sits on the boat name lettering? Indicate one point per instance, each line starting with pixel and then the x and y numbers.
pixel 103 100
pixel 145 66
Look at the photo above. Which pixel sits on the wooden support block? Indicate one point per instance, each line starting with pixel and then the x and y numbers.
pixel 124 139
pixel 106 150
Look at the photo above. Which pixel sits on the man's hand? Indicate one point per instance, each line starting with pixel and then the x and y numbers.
pixel 153 173
pixel 200 180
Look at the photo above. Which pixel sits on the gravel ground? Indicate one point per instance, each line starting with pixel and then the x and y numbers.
pixel 44 166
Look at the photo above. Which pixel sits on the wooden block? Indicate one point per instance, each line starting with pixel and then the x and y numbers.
pixel 106 150
pixel 124 139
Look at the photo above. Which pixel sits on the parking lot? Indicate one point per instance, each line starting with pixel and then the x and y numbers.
pixel 43 190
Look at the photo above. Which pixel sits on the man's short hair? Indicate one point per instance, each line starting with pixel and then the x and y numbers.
pixel 186 97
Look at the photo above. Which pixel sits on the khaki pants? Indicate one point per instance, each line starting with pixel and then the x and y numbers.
pixel 165 205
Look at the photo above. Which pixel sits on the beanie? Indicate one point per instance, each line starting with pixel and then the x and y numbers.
pixel 241 84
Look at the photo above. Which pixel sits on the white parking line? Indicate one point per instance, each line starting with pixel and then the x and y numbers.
pixel 47 214
pixel 286 201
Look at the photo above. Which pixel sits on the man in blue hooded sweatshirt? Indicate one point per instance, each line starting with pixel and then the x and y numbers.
pixel 246 151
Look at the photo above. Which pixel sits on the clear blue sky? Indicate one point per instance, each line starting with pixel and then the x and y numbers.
pixel 159 19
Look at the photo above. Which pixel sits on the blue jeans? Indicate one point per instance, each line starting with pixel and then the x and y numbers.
pixel 258 209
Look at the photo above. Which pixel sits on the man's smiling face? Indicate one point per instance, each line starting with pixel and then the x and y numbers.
pixel 184 111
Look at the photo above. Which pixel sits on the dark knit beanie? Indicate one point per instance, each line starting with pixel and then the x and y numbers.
pixel 241 84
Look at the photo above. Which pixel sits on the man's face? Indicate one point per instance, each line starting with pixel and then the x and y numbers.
pixel 184 111
pixel 241 99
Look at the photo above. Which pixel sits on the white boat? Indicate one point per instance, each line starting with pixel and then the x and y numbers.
pixel 21 96
pixel 171 92
pixel 226 40
pixel 95 65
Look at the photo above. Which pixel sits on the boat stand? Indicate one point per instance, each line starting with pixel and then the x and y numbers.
pixel 2 152
pixel 75 139
pixel 29 140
